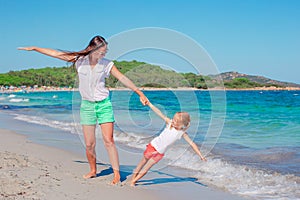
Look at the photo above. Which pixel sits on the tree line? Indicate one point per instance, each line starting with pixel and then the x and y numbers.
pixel 142 74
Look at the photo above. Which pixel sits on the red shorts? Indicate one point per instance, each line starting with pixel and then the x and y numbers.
pixel 151 152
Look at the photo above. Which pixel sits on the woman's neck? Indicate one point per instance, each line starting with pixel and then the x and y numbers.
pixel 93 60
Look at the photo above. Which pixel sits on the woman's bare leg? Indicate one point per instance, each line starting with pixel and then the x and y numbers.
pixel 90 144
pixel 107 134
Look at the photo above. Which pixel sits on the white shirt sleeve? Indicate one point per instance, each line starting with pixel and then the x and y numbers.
pixel 108 68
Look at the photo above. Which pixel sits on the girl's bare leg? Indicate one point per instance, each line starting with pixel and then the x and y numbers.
pixel 107 134
pixel 143 171
pixel 138 168
pixel 90 144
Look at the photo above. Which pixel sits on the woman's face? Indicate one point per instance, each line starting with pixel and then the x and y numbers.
pixel 101 52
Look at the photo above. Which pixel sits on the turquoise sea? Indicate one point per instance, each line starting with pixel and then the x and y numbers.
pixel 251 138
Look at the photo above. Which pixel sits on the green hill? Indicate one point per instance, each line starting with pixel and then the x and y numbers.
pixel 229 77
pixel 142 74
pixel 49 76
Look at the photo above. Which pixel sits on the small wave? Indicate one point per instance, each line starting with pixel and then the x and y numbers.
pixel 241 179
pixel 18 100
pixel 132 140
pixel 4 107
pixel 66 126
pixel 12 96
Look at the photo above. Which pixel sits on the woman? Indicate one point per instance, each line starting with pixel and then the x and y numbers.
pixel 96 106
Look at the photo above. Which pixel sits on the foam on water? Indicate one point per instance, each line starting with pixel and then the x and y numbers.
pixel 241 179
pixel 16 100
pixel 66 126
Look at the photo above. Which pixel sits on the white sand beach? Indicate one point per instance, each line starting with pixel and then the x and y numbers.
pixel 34 171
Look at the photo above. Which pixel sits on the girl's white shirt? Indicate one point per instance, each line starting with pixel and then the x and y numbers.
pixel 92 81
pixel 166 138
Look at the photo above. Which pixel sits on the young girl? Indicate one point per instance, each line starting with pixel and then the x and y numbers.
pixel 174 130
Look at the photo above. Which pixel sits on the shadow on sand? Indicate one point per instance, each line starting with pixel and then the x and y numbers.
pixel 126 171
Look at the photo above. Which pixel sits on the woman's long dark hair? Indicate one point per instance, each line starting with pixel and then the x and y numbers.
pixel 95 43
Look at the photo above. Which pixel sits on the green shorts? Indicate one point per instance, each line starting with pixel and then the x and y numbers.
pixel 91 112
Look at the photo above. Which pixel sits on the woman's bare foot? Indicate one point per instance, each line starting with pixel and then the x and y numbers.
pixel 89 175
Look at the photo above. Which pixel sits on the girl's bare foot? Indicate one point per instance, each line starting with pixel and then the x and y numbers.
pixel 89 175
pixel 132 184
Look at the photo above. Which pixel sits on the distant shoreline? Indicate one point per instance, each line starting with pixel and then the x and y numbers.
pixel 58 89
pixel 212 89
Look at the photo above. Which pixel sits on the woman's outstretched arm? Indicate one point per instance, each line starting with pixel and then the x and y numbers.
pixel 49 52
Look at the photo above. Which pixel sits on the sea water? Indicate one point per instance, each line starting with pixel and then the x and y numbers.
pixel 250 138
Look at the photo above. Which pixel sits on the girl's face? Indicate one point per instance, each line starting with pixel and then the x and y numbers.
pixel 176 122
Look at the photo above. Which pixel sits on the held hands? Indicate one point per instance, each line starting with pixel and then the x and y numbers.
pixel 144 100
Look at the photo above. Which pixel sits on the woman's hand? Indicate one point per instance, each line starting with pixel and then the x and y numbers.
pixel 26 48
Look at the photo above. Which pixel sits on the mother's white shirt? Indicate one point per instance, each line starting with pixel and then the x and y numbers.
pixel 92 80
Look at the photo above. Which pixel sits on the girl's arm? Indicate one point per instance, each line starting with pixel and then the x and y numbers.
pixel 49 52
pixel 129 84
pixel 193 145
pixel 159 113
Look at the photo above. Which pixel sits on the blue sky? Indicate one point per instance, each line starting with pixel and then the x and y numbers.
pixel 257 37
